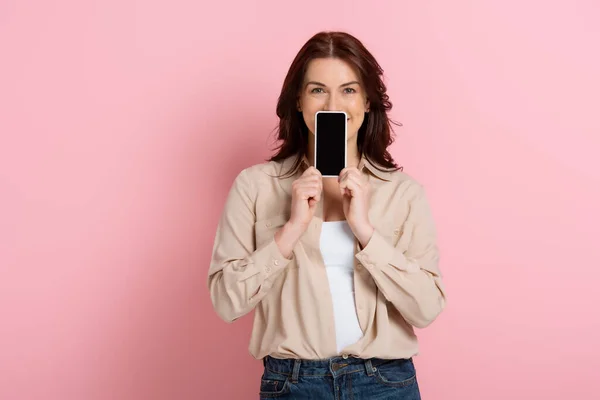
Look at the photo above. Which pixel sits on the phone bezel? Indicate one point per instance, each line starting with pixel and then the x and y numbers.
pixel 345 139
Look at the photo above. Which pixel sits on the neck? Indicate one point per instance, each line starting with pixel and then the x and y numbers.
pixel 353 156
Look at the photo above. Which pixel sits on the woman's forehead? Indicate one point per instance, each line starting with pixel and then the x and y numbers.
pixel 330 72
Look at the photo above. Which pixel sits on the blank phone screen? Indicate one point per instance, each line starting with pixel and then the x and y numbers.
pixel 330 149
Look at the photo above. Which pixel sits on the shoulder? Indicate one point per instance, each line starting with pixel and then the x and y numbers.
pixel 263 188
pixel 251 178
pixel 397 182
pixel 401 178
pixel 260 172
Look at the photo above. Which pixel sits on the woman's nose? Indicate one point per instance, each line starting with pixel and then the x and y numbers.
pixel 332 103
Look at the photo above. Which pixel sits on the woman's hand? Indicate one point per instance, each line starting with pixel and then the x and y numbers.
pixel 356 192
pixel 306 193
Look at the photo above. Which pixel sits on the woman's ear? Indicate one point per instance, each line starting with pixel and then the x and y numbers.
pixel 367 106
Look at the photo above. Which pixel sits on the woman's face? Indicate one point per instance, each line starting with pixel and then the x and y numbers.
pixel 330 84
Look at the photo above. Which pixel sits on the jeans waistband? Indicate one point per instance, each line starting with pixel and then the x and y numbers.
pixel 327 367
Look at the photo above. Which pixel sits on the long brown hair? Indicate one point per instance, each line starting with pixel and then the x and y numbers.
pixel 374 135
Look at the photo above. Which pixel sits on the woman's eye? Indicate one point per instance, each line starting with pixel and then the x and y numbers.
pixel 349 90
pixel 317 90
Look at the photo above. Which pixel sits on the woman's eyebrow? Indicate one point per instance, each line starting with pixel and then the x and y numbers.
pixel 322 84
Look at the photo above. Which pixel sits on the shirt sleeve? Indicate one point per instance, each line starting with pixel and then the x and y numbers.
pixel 408 275
pixel 240 275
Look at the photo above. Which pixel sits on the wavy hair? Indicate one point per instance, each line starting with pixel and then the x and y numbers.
pixel 374 135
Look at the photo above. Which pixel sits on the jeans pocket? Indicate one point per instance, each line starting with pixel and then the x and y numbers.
pixel 396 373
pixel 273 385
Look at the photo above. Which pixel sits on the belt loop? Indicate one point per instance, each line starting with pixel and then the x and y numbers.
pixel 369 367
pixel 296 371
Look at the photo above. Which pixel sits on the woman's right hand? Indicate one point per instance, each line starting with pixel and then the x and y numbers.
pixel 306 193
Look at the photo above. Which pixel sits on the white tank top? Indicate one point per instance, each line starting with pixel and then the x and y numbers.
pixel 337 247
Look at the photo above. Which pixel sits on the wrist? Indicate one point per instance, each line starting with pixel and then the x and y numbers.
pixel 293 230
pixel 364 235
pixel 288 235
pixel 286 238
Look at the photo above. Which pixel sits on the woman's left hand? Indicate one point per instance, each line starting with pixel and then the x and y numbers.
pixel 356 192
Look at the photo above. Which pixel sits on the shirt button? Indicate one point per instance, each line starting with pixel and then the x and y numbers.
pixel 275 262
pixel 268 224
pixel 396 232
pixel 268 269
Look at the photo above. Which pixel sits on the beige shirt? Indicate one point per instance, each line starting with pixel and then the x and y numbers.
pixel 397 280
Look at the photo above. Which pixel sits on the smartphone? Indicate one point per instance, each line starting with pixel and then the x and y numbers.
pixel 331 135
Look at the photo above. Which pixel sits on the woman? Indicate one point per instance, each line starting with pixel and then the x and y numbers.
pixel 338 271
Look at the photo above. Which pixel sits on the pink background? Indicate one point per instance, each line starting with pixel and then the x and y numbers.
pixel 123 124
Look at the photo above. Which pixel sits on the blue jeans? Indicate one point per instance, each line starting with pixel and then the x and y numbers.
pixel 339 379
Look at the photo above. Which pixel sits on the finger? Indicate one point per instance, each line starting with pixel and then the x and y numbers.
pixel 311 178
pixel 348 169
pixel 351 185
pixel 311 171
pixel 309 193
pixel 354 172
pixel 351 171
pixel 352 177
pixel 343 176
pixel 301 187
pixel 314 180
pixel 356 179
pixel 317 197
pixel 308 181
pixel 309 184
pixel 345 191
